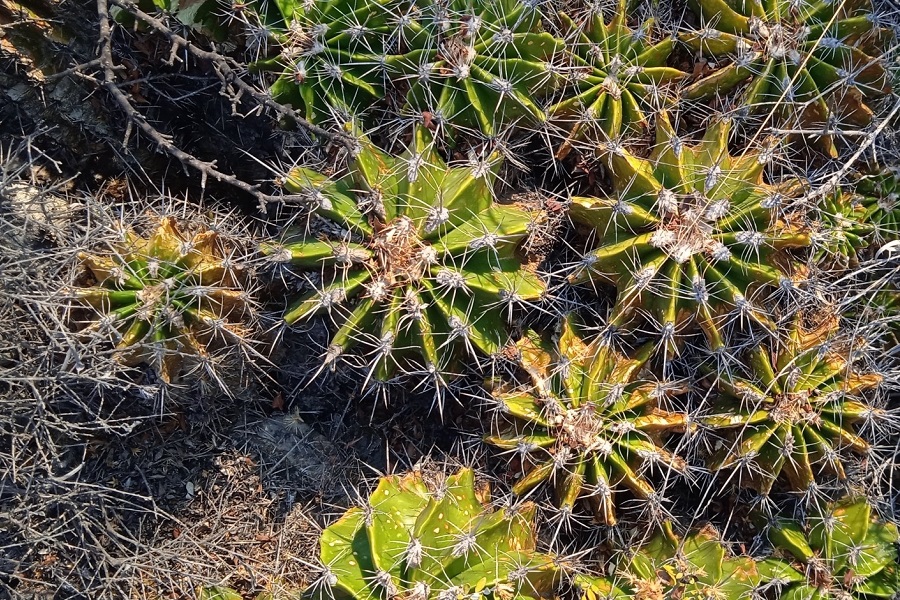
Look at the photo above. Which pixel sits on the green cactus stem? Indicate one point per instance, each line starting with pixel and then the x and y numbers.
pixel 844 551
pixel 808 62
pixel 413 542
pixel 698 567
pixel 332 53
pixel 616 73
pixel 484 64
pixel 591 423
pixel 690 233
pixel 162 297
pixel 793 413
pixel 413 258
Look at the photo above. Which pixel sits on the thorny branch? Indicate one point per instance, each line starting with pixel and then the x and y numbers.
pixel 233 85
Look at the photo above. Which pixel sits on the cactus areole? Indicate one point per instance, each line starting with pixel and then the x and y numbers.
pixel 412 257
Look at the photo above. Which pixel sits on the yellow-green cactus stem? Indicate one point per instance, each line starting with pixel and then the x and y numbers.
pixel 414 258
pixel 698 567
pixel 793 412
pixel 843 551
pixel 485 64
pixel 590 423
pixel 409 541
pixel 690 233
pixel 805 62
pixel 167 295
pixel 616 74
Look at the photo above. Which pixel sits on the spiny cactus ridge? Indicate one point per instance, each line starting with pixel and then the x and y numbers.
pixel 411 257
pixel 419 543
pixel 591 423
pixel 174 293
pixel 794 412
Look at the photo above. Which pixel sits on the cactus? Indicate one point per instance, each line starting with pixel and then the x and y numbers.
pixel 591 422
pixel 845 552
pixel 793 414
pixel 880 196
pixel 482 64
pixel 690 233
pixel 616 72
pixel 695 568
pixel 332 53
pixel 412 542
pixel 806 60
pixel 413 256
pixel 176 292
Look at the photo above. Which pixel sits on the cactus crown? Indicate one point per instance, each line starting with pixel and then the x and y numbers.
pixel 805 59
pixel 694 568
pixel 412 542
pixel 845 552
pixel 794 414
pixel 591 422
pixel 421 248
pixel 616 72
pixel 690 232
pixel 165 296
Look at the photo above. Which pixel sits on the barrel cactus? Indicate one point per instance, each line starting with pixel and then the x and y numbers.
pixel 794 412
pixel 615 74
pixel 414 542
pixel 482 64
pixel 410 257
pixel 808 61
pixel 690 233
pixel 845 551
pixel 880 197
pixel 174 293
pixel 697 567
pixel 331 53
pixel 591 422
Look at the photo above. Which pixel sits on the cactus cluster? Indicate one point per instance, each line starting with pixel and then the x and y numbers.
pixel 695 318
